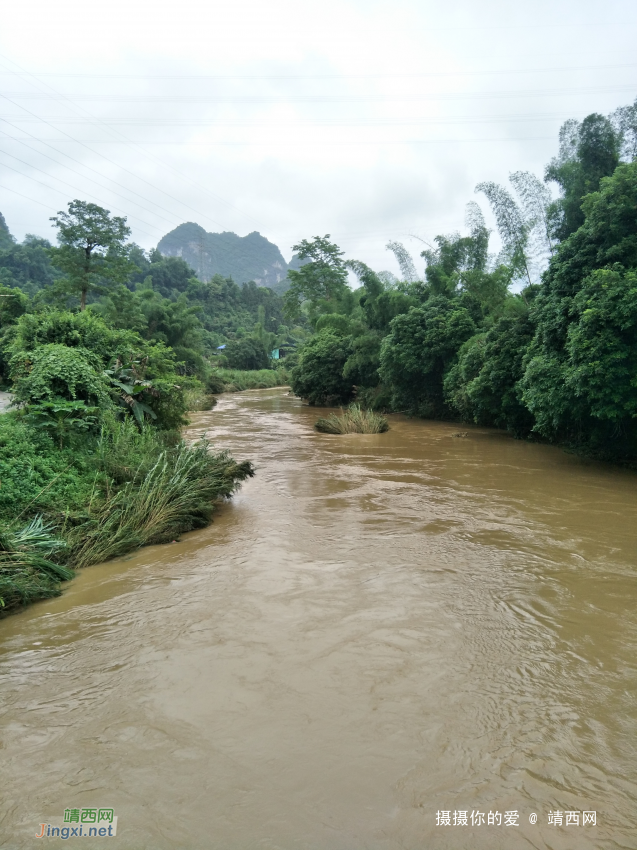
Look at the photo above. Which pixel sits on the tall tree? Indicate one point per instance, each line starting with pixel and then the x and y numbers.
pixel 513 228
pixel 322 279
pixel 92 250
pixel 588 151
pixel 404 260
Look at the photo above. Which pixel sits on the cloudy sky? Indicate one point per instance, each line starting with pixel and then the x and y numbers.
pixel 367 120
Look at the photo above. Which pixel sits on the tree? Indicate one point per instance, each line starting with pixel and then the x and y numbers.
pixel 422 345
pixel 514 230
pixel 322 279
pixel 588 151
pixel 319 374
pixel 579 372
pixel 404 260
pixel 92 251
pixel 246 354
pixel 483 385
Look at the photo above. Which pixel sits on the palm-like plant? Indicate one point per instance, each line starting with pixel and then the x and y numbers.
pixel 128 385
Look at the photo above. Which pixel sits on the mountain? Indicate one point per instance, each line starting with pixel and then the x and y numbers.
pixel 243 258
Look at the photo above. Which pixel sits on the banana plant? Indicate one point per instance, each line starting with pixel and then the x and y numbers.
pixel 129 387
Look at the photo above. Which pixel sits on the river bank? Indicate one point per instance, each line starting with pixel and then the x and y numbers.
pixel 377 628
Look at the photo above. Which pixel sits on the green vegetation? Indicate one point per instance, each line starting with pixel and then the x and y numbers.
pixel 236 380
pixel 105 349
pixel 27 572
pixel 353 420
pixel 540 339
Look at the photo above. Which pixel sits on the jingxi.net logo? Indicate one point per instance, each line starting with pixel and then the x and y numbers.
pixel 82 823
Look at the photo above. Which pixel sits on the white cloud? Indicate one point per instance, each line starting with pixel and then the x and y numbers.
pixel 367 120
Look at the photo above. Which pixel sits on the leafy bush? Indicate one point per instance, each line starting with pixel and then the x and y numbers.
pixel 319 374
pixel 54 371
pixel 422 345
pixel 246 354
pixel 483 385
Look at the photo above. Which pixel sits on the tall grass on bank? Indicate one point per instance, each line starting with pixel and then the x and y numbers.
pixel 166 494
pixel 353 420
pixel 198 399
pixel 129 487
pixel 27 572
pixel 237 380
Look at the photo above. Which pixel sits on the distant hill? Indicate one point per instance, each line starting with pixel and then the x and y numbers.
pixel 243 258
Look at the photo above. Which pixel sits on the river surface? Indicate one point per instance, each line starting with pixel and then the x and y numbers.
pixel 376 629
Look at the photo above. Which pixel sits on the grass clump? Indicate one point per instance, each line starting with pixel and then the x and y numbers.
pixel 175 495
pixel 27 572
pixel 353 420
pixel 238 380
pixel 198 399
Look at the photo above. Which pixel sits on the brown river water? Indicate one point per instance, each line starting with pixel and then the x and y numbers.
pixel 376 629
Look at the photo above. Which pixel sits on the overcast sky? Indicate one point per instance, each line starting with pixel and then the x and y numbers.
pixel 367 120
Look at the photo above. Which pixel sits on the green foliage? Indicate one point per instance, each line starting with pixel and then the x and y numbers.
pixel 53 372
pixel 26 571
pixel 483 385
pixel 107 496
pixel 130 388
pixel 13 304
pixel 63 419
pixel 6 239
pixel 175 495
pixel 589 151
pixel 237 380
pixel 36 476
pixel 319 374
pixel 322 280
pixel 27 265
pixel 248 354
pixel 577 381
pixel 353 420
pixel 586 393
pixel 420 348
pixel 92 252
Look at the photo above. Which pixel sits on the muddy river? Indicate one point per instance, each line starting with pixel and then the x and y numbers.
pixel 377 631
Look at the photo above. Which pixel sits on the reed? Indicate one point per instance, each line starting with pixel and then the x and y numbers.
pixel 353 420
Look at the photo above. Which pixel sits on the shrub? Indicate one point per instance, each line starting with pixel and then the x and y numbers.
pixel 319 374
pixel 54 371
pixel 246 354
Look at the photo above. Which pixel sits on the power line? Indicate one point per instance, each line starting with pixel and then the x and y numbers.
pixel 324 98
pixel 378 75
pixel 152 157
pixel 59 179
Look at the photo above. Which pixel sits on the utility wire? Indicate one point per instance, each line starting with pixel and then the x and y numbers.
pixel 59 179
pixel 151 156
